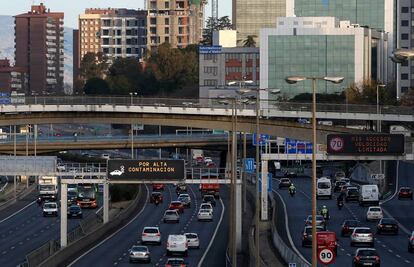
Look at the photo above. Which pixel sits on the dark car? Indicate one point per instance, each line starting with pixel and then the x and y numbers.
pixel 366 257
pixel 291 174
pixel 348 227
pixel 209 199
pixel 307 235
pixel 411 242
pixel 338 185
pixel 176 205
pixel 405 192
pixel 72 196
pixel 351 194
pixel 74 211
pixel 387 225
pixel 156 196
pixel 181 188
pixel 284 182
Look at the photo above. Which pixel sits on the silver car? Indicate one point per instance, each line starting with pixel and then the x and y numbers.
pixel 362 235
pixel 320 221
pixel 139 254
pixel 171 216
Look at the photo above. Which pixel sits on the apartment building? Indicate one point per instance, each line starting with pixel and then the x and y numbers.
pixel 39 49
pixel 12 78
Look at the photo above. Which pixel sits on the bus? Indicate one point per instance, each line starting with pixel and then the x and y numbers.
pixel 87 196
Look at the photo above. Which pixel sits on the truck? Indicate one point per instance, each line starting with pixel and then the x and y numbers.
pixel 210 188
pixel 48 187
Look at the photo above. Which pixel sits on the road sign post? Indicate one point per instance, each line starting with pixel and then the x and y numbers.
pixel 326 247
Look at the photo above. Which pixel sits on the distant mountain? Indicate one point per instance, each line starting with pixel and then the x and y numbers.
pixel 7 45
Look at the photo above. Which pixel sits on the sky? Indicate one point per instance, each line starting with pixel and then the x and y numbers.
pixel 72 8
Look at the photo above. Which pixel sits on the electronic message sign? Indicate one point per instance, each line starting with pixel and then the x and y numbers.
pixel 135 170
pixel 365 144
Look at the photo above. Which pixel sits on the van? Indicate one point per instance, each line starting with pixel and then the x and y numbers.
pixel 177 244
pixel 369 194
pixel 323 188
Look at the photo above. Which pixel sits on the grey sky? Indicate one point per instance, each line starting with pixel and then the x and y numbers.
pixel 72 8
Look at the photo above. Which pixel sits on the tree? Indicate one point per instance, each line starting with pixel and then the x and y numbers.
pixel 123 75
pixel 366 93
pixel 93 65
pixel 96 86
pixel 223 23
pixel 250 42
pixel 408 98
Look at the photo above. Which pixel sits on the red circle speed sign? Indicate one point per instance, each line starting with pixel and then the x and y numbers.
pixel 326 256
pixel 336 144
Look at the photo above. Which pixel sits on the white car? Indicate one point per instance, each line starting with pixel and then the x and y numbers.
pixel 206 206
pixel 151 235
pixel 192 240
pixel 116 172
pixel 177 244
pixel 105 156
pixel 50 209
pixel 60 167
pixel 205 215
pixel 374 213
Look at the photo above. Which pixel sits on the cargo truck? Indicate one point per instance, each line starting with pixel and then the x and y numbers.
pixel 48 187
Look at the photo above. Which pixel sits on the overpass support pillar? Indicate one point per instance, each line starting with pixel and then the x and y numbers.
pixel 238 214
pixel 63 215
pixel 105 202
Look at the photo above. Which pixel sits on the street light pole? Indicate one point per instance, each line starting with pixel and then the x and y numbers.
pixel 257 228
pixel 132 141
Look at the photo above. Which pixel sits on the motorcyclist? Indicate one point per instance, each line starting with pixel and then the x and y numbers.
pixel 292 189
pixel 325 212
pixel 340 201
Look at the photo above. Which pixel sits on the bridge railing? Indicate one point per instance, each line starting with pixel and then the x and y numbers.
pixel 212 103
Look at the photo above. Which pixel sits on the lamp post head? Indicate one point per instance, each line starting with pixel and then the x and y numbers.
pixel 231 83
pixel 243 91
pixel 274 91
pixel 294 79
pixel 335 80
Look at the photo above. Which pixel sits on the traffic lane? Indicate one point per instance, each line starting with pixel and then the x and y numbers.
pixel 390 254
pixel 17 206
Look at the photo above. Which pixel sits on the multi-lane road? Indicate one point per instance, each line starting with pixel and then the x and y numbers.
pixel 113 251
pixel 392 249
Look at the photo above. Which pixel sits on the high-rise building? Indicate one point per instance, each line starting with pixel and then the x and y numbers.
pixel 39 49
pixel 249 16
pixel 405 30
pixel 322 47
pixel 12 78
pixel 178 22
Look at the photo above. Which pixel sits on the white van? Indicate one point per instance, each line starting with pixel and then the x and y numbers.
pixel 324 188
pixel 177 244
pixel 369 194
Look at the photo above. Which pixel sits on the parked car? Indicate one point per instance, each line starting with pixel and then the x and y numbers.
pixel 177 205
pixel 387 225
pixel 307 235
pixel 405 192
pixel 209 199
pixel 374 213
pixel 171 216
pixel 74 211
pixel 177 244
pixel 348 227
pixel 192 240
pixel 366 257
pixel 362 235
pixel 151 235
pixel 139 254
pixel 284 182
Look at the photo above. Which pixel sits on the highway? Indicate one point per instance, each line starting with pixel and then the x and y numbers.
pixel 26 229
pixel 113 251
pixel 392 249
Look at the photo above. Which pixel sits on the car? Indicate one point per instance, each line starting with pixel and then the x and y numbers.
pixel 206 206
pixel 338 185
pixel 369 194
pixel 205 215
pixel 207 160
pixel 324 188
pixel 185 199
pixel 171 216
pixel 320 221
pixel 211 165
pixel 387 225
pixel 362 235
pixel 405 192
pixel 157 187
pixel 374 213
pixel 72 197
pixel 105 156
pixel 284 182
pixel 366 257
pixel 192 240
pixel 307 235
pixel 351 194
pixel 50 209
pixel 116 173
pixel 291 174
pixel 151 235
pixel 175 262
pixel 181 188
pixel 177 244
pixel 156 196
pixel 348 227
pixel 209 199
pixel 176 205
pixel 339 175
pixel 139 254
pixel 74 211
pixel 346 180
pixel 411 242
pixel 345 187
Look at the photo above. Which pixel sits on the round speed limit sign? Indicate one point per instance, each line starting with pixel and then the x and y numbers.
pixel 336 144
pixel 326 256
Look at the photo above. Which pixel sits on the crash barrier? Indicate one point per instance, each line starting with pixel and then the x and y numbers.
pixel 285 251
pixel 228 260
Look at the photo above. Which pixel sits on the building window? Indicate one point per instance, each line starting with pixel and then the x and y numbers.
pixel 212 70
pixel 404 9
pixel 210 82
pixel 153 21
pixel 404 63
pixel 167 39
pixel 404 36
pixel 119 51
pixel 404 76
pixel 167 5
pixel 404 90
pixel 153 30
pixel 210 57
pixel 404 23
pixel 167 30
pixel 167 21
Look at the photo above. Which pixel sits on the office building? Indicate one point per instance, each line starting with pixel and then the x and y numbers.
pixel 405 29
pixel 249 16
pixel 320 46
pixel 39 49
pixel 12 78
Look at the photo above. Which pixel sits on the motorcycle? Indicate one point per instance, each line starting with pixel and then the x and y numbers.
pixel 156 202
pixel 39 201
pixel 292 192
pixel 340 204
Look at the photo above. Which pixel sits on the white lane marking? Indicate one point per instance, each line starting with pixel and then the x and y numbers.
pixel 402 227
pixel 407 261
pixel 398 256
pixel 17 212
pixel 288 230
pixel 99 210
pixel 4 186
pixel 113 234
pixel 214 235
pixel 390 251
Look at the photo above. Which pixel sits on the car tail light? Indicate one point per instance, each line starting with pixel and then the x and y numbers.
pixel 305 236
pixel 168 265
pixel 182 265
pixel 144 234
pixel 168 244
pixel 354 235
pixel 357 258
pixel 376 258
pixel 412 238
pixel 380 225
pixel 157 234
pixel 369 234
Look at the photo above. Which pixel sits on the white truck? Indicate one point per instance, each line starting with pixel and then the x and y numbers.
pixel 369 194
pixel 48 187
